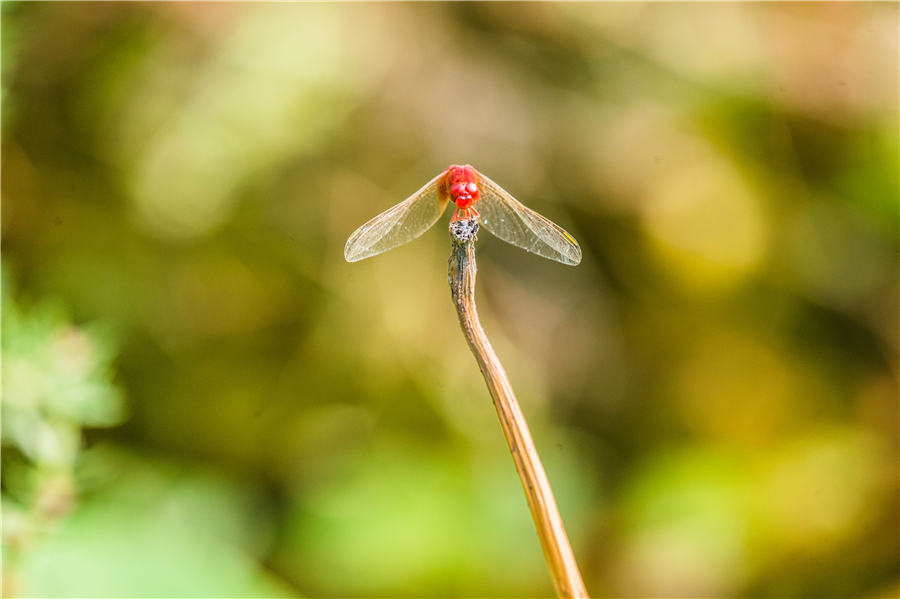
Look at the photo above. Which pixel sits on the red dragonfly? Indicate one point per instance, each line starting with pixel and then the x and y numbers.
pixel 478 199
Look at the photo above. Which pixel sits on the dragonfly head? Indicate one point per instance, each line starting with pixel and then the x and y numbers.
pixel 463 185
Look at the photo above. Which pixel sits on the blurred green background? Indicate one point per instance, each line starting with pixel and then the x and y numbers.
pixel 201 398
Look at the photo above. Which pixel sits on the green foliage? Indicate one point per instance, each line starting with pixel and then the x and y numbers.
pixel 145 518
pixel 102 523
pixel 57 379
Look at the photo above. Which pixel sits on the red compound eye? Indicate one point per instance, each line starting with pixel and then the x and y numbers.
pixel 471 187
pixel 457 188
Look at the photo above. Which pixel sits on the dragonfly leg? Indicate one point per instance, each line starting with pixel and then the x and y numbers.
pixel 463 214
pixel 456 216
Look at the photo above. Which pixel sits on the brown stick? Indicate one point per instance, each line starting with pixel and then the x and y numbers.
pixel 557 550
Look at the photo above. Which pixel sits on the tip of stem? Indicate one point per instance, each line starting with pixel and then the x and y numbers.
pixel 464 230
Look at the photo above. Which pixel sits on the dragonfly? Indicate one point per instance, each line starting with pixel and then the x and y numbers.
pixel 477 200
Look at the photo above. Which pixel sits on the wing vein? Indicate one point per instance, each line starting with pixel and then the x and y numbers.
pixel 399 224
pixel 511 221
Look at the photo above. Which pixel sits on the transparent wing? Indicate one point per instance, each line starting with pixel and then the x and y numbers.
pixel 398 225
pixel 512 222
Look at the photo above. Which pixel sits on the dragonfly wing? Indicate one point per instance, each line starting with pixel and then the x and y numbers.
pixel 398 225
pixel 508 219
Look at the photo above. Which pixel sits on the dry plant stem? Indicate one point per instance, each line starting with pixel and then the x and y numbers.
pixel 557 550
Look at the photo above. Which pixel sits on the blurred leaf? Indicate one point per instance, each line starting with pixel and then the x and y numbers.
pixel 56 379
pixel 151 534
